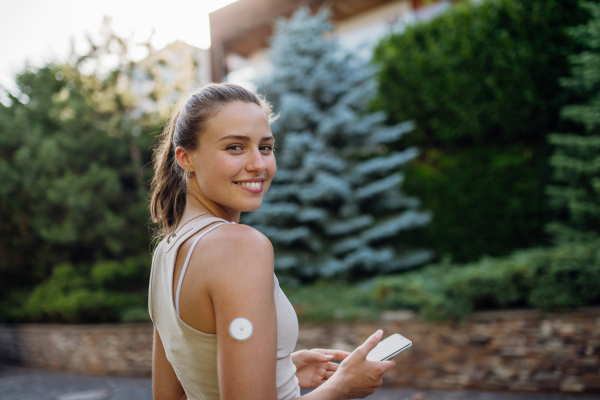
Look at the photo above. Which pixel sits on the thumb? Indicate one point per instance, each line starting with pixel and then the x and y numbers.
pixel 369 344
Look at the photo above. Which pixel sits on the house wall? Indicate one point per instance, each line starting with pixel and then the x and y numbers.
pixel 171 73
pixel 358 33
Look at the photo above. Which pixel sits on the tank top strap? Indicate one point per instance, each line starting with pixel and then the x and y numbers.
pixel 187 260
pixel 191 230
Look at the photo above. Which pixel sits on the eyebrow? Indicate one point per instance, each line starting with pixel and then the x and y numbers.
pixel 241 137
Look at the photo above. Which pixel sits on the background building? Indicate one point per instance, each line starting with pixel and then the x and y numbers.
pixel 165 75
pixel 240 31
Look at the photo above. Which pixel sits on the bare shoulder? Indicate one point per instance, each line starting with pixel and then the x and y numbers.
pixel 239 249
pixel 238 237
pixel 241 234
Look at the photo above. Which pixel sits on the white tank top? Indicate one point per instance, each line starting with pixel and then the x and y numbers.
pixel 193 354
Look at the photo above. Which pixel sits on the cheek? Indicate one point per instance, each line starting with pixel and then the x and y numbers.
pixel 224 168
pixel 272 166
pixel 219 170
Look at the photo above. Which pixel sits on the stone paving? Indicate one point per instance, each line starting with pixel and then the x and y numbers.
pixel 19 383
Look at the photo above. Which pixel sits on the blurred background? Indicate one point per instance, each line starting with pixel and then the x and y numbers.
pixel 438 171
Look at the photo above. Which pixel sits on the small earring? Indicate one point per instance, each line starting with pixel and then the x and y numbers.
pixel 188 173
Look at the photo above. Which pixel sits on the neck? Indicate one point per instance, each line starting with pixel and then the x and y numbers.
pixel 196 204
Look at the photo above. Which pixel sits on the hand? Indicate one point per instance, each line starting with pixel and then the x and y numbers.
pixel 313 367
pixel 358 377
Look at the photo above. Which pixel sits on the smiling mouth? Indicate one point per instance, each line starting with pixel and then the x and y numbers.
pixel 255 185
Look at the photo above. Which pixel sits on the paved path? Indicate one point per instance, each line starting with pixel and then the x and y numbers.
pixel 18 383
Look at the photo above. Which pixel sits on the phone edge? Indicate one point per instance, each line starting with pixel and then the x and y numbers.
pixel 398 352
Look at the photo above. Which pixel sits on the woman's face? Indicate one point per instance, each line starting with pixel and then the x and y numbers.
pixel 234 163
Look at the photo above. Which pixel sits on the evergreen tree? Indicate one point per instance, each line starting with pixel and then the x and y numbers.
pixel 73 193
pixel 576 160
pixel 335 205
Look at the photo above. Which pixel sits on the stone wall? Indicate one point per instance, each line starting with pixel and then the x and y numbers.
pixel 508 350
pixel 505 351
pixel 87 349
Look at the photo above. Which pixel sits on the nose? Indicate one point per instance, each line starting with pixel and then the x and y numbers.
pixel 255 162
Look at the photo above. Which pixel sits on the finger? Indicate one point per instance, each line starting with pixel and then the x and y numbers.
pixel 328 374
pixel 391 364
pixel 337 354
pixel 321 356
pixel 332 366
pixel 309 356
pixel 369 344
pixel 385 365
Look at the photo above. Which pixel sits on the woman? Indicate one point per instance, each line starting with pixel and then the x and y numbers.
pixel 215 160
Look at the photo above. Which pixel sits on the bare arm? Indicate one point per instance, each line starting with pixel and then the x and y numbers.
pixel 243 287
pixel 165 385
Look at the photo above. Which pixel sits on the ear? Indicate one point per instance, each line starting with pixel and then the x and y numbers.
pixel 183 159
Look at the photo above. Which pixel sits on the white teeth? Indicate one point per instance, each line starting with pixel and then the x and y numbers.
pixel 251 184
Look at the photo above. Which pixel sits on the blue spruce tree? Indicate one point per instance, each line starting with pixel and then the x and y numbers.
pixel 335 205
pixel 575 193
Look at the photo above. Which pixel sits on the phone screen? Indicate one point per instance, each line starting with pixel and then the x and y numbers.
pixel 389 347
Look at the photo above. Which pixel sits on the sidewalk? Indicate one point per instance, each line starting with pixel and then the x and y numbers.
pixel 18 383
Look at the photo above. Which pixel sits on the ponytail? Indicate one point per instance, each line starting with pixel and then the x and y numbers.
pixel 168 185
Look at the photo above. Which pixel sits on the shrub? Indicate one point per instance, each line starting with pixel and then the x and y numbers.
pixel 131 273
pixel 545 278
pixel 72 156
pixel 71 296
pixel 481 83
pixel 481 73
pixel 572 279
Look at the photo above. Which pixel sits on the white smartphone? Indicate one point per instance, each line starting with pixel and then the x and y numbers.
pixel 389 347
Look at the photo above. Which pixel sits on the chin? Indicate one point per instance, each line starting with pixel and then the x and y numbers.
pixel 244 206
pixel 251 207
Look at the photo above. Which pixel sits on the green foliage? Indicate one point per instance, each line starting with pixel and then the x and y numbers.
pixel 74 190
pixel 481 83
pixel 335 207
pixel 136 314
pixel 545 278
pixel 69 295
pixel 486 199
pixel 121 275
pixel 571 280
pixel 325 301
pixel 575 192
pixel 481 73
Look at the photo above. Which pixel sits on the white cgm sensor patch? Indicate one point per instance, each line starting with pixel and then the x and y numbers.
pixel 240 329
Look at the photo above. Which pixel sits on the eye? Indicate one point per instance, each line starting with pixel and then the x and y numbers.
pixel 232 147
pixel 267 148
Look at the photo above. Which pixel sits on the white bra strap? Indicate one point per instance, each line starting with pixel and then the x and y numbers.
pixel 187 260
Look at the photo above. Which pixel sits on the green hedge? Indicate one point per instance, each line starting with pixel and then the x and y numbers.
pixel 485 199
pixel 549 279
pixel 107 291
pixel 482 72
pixel 481 83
